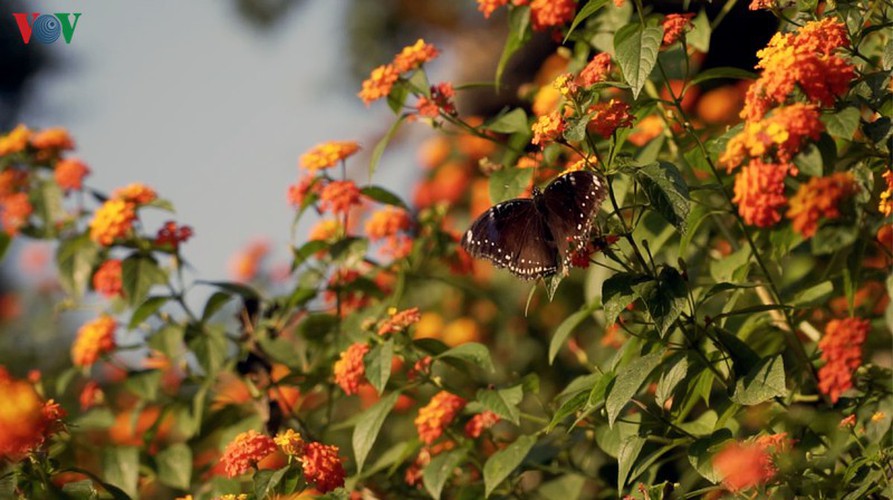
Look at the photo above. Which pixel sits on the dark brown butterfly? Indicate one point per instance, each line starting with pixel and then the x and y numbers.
pixel 536 237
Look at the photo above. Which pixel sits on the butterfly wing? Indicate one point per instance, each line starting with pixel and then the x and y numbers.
pixel 569 204
pixel 513 235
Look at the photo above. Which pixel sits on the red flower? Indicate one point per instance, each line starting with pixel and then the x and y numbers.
pixel 609 116
pixel 245 451
pixel 841 348
pixel 818 199
pixel 437 415
pixel 480 422
pixel 107 279
pixel 350 371
pixel 745 465
pixel 323 467
pixel 674 26
pixel 759 193
pixel 339 196
pixel 546 14
pixel 70 173
pixel 172 235
pixel 596 71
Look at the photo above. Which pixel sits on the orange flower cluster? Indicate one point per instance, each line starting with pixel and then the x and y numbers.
pixel 596 71
pixel 481 422
pixel 245 451
pixel 487 7
pixel 245 264
pixel 818 199
pixel 15 209
pixel 609 116
pixel 91 395
pixel 440 100
pixel 437 415
pixel 383 78
pixel 25 420
pixel 15 141
pixel 674 26
pixel 547 128
pixel 399 321
pixel 781 135
pixel 323 467
pixel 107 279
pixel 841 347
pixel 801 59
pixel 290 442
pixel 745 465
pixel 299 191
pixel 52 138
pixel 390 224
pixel 94 339
pixel 112 221
pixel 326 230
pixel 886 204
pixel 545 14
pixel 328 154
pixel 349 370
pixel 339 196
pixel 69 174
pixel 759 192
pixel 172 235
pixel 137 193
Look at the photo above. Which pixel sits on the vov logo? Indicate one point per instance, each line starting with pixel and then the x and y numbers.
pixel 46 28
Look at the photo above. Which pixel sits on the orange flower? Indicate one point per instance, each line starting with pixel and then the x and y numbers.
pixel 818 199
pixel 172 235
pixel 399 321
pixel 759 192
pixel 350 300
pixel 326 230
pixel 596 71
pixel 350 371
pixel 721 105
pixel 547 128
pixel 646 130
pixel 460 331
pixel 107 279
pixel 609 116
pixel 488 6
pixel 440 101
pixel 328 154
pixel 112 221
pixel 136 193
pixel 15 210
pixel 674 26
pixel 70 173
pixel 290 442
pixel 52 138
pixel 12 180
pixel 25 420
pixel 245 451
pixel 886 204
pixel 339 196
pixel 93 340
pixel 546 14
pixel 841 347
pixel 379 83
pixel 387 222
pixel 801 59
pixel 413 56
pixel 848 422
pixel 15 141
pixel 91 395
pixel 480 422
pixel 244 264
pixel 782 135
pixel 745 465
pixel 298 192
pixel 323 467
pixel 437 415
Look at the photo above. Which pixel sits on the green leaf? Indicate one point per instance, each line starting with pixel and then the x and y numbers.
pixel 175 466
pixel 378 365
pixel 723 72
pixel 471 352
pixel 439 470
pixel 724 269
pixel 509 183
pixel 519 32
pixel 382 195
pixel 700 453
pixel 833 237
pixel 585 13
pixel 564 330
pixel 636 49
pixel 239 289
pixel 813 295
pixel 307 250
pixel 667 192
pixel 5 240
pixel 696 217
pixel 570 406
pixel 809 161
pixel 144 384
pixel 626 458
pixel 617 293
pixel 699 36
pixel 210 350
pixel 77 490
pixel 503 402
pixel 139 273
pixel 508 123
pixel 120 467
pixel 379 149
pixel 366 431
pixel 503 462
pixel 215 302
pixel 842 124
pixel 75 259
pixel 266 481
pixel 115 492
pixel 763 383
pixel 146 309
pixel 628 381
pixel 669 380
pixel 564 487
pixel 664 298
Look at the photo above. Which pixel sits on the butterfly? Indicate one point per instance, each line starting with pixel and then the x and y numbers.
pixel 537 237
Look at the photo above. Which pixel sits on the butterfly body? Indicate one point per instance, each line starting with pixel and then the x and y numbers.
pixel 536 237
